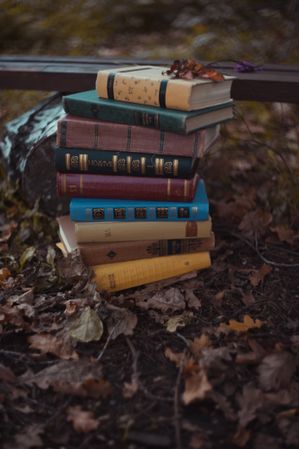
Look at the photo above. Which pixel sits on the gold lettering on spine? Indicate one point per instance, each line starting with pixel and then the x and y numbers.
pixel 83 162
pixel 129 160
pixel 143 168
pixel 68 161
pixel 176 167
pixel 168 187
pixel 185 188
pixel 114 163
pixel 81 184
pixel 159 166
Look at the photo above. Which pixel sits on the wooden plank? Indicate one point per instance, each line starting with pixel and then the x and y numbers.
pixel 69 74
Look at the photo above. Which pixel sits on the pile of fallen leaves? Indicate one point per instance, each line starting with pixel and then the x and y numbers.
pixel 209 360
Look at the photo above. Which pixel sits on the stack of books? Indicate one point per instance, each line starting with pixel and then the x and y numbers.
pixel 127 154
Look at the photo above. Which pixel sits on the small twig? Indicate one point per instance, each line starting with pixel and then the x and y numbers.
pixel 177 417
pixel 110 336
pixel 135 355
pixel 261 256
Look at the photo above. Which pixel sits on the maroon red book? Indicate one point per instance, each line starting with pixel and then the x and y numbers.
pixel 125 187
pixel 79 132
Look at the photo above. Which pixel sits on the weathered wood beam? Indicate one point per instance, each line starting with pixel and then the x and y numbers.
pixel 275 83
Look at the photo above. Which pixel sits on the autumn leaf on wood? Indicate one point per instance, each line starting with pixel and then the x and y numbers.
pixel 189 69
pixel 240 326
pixel 82 420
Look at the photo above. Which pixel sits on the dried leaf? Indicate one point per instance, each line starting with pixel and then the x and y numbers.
pixel 82 420
pixel 255 223
pixel 121 321
pixel 78 378
pixel 259 275
pixel 47 343
pixel 29 437
pixel 27 255
pixel 4 274
pixel 276 371
pixel 192 300
pixel 240 326
pixel 166 300
pixel 130 388
pixel 284 233
pixel 199 343
pixel 175 357
pixel 178 321
pixel 88 327
pixel 241 437
pixel 6 374
pixel 251 400
pixel 197 387
pixel 197 441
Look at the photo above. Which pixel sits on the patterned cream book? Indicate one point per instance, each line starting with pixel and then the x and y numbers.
pixel 149 85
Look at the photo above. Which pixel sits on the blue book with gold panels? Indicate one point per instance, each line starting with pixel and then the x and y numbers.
pixel 87 209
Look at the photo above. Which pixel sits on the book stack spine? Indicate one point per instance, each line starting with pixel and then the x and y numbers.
pixel 139 211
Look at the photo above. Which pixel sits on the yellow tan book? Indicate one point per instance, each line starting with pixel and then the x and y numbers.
pixel 123 275
pixel 151 230
pixel 149 85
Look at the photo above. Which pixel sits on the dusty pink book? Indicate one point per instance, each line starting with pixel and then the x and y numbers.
pixel 77 132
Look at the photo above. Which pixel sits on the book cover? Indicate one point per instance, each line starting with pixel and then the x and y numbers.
pixel 102 162
pixel 78 132
pixel 87 104
pixel 123 275
pixel 126 187
pixel 114 231
pixel 99 209
pixel 150 85
pixel 112 252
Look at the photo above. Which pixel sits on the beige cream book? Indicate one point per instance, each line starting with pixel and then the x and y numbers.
pixel 96 253
pixel 150 85
pixel 150 230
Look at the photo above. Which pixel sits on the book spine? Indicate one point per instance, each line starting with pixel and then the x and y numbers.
pixel 130 116
pixel 123 275
pixel 125 187
pixel 149 230
pixel 75 132
pixel 121 212
pixel 161 93
pixel 122 163
pixel 101 253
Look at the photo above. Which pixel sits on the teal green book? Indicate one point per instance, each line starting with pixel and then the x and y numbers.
pixel 102 162
pixel 87 104
pixel 93 209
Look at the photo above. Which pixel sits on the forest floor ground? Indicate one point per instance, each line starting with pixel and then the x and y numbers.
pixel 207 361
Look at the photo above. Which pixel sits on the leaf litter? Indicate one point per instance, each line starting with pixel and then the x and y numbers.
pixel 206 360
